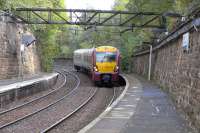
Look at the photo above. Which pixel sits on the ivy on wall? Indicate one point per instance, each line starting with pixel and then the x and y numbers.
pixel 56 41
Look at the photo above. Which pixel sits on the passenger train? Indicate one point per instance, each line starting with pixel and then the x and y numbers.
pixel 101 62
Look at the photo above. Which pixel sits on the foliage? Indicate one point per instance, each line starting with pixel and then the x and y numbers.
pixel 120 4
pixel 56 40
pixel 186 6
pixel 9 4
pixel 48 46
pixel 138 36
pixel 151 5
pixel 48 40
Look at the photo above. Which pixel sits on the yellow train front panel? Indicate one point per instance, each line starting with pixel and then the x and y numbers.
pixel 106 67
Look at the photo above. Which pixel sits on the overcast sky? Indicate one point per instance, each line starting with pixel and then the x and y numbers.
pixel 89 4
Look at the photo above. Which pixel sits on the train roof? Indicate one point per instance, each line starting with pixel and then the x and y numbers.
pixel 82 50
pixel 98 49
pixel 106 49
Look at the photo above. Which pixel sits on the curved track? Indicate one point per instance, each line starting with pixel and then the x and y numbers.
pixel 19 113
pixel 113 97
pixel 43 96
pixel 70 114
pixel 49 112
pixel 85 113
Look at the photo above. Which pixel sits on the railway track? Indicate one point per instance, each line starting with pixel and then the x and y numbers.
pixel 48 113
pixel 71 113
pixel 113 97
pixel 65 124
pixel 19 102
pixel 21 112
pixel 61 81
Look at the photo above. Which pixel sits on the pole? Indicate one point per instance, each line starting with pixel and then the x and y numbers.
pixel 150 54
pixel 22 60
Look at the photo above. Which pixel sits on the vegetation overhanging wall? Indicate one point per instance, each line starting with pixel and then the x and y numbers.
pixel 176 69
pixel 10 57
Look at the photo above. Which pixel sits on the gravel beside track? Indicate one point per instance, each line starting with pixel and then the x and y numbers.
pixel 88 113
pixel 118 91
pixel 48 117
pixel 70 98
pixel 37 105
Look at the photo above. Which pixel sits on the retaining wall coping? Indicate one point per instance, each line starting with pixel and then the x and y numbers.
pixel 20 84
pixel 187 26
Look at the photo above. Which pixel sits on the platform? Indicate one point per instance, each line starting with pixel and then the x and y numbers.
pixel 143 108
pixel 9 84
pixel 14 89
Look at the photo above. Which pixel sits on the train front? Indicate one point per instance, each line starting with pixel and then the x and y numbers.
pixel 106 65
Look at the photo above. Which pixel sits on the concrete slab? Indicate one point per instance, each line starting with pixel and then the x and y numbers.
pixel 13 91
pixel 116 119
pixel 144 109
pixel 7 85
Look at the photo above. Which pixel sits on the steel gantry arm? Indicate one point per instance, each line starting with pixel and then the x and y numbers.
pixel 67 22
pixel 129 19
pixel 108 18
pixel 147 23
pixel 90 18
pixel 86 17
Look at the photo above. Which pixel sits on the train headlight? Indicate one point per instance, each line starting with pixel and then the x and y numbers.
pixel 116 68
pixel 95 69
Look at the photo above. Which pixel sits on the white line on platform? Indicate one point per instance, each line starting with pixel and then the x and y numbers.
pixel 20 84
pixel 91 124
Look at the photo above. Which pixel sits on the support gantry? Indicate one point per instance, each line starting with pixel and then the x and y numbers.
pixel 88 18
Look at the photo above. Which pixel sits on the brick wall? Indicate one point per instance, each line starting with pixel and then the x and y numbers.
pixel 178 72
pixel 10 40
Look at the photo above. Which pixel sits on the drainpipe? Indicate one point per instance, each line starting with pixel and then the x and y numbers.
pixel 150 57
pixel 21 61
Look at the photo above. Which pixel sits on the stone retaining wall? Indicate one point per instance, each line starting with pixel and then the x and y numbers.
pixel 10 60
pixel 177 71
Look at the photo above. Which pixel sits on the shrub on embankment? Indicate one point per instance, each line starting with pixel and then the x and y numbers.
pixel 48 41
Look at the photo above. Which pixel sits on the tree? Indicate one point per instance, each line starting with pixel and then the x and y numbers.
pixel 46 35
pixel 57 40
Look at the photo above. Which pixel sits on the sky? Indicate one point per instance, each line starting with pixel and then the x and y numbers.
pixel 89 4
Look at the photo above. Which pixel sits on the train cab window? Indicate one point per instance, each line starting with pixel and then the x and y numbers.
pixel 105 57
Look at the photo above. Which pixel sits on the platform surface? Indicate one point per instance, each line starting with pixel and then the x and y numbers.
pixel 144 109
pixel 9 84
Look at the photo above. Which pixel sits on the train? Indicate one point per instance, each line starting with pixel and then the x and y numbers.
pixel 102 63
